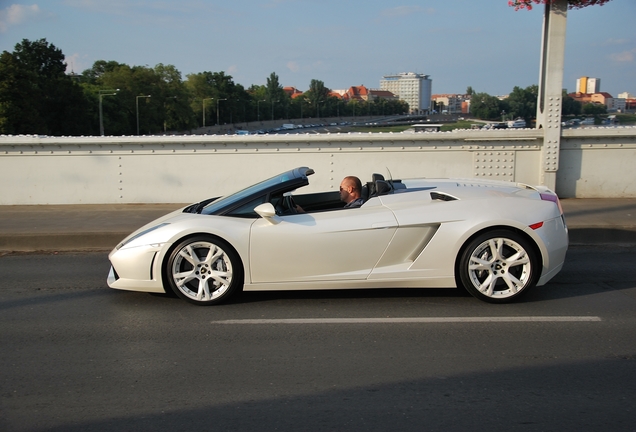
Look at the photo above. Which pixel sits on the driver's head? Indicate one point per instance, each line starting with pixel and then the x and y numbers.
pixel 350 189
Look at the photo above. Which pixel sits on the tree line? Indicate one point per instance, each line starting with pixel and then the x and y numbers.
pixel 38 97
pixel 522 103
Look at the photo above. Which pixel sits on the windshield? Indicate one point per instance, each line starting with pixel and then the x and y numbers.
pixel 229 200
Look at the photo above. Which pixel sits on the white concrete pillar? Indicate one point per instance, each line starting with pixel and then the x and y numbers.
pixel 550 102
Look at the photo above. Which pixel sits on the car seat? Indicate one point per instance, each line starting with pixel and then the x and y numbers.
pixel 370 186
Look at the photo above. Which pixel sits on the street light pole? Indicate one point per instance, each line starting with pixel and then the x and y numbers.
pixel 165 114
pixel 137 105
pixel 217 111
pixel 203 103
pixel 258 110
pixel 273 109
pixel 101 115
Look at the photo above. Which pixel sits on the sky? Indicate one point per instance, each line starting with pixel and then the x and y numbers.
pixel 484 44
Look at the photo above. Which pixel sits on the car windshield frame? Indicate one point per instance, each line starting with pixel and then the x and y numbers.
pixel 291 179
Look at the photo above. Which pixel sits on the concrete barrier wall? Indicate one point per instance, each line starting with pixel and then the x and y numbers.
pixel 594 163
pixel 598 163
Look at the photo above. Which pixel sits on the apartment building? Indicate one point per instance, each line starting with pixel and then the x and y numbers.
pixel 452 103
pixel 413 88
pixel 587 85
pixel 601 98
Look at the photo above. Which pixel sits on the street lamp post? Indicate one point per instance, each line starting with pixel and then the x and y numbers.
pixel 273 109
pixel 165 125
pixel 203 103
pixel 101 115
pixel 137 106
pixel 244 115
pixel 258 110
pixel 217 111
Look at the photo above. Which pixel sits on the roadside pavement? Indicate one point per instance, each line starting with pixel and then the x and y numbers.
pixel 52 228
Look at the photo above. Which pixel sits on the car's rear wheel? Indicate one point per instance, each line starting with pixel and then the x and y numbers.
pixel 204 270
pixel 498 266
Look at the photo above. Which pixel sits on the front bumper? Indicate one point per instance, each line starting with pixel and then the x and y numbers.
pixel 136 269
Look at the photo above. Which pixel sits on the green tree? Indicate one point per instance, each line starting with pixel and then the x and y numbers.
pixel 570 106
pixel 215 89
pixel 487 107
pixel 258 97
pixel 36 95
pixel 594 109
pixel 522 103
pixel 316 96
pixel 276 96
pixel 99 68
pixel 174 98
pixel 133 85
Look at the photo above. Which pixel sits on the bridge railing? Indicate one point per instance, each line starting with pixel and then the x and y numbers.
pixel 593 162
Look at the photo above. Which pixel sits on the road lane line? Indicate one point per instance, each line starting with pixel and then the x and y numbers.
pixel 413 320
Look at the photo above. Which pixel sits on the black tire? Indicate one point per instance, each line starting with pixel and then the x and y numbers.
pixel 498 266
pixel 203 270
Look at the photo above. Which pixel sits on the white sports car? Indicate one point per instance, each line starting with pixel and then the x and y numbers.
pixel 495 239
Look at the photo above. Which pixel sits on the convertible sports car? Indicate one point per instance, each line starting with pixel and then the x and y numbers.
pixel 495 239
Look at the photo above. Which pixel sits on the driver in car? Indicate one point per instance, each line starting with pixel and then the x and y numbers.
pixel 350 190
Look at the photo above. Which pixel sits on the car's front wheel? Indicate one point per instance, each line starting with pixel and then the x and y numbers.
pixel 204 270
pixel 498 266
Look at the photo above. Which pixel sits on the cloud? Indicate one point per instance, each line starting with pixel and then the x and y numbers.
pixel 293 66
pixel 17 14
pixel 624 57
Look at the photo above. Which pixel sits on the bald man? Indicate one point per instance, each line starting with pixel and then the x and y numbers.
pixel 350 189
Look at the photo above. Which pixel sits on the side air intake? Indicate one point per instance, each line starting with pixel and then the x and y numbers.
pixel 436 196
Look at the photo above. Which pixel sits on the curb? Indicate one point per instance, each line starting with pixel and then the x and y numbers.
pixel 61 242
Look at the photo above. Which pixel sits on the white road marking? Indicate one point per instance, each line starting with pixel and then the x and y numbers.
pixel 413 320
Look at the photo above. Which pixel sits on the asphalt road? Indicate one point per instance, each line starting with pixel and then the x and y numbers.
pixel 78 356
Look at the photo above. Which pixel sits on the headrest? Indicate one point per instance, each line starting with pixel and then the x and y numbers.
pixel 375 177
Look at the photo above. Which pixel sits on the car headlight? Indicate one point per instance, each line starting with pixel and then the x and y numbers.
pixel 141 233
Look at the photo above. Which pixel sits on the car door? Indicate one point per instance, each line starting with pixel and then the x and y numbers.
pixel 343 244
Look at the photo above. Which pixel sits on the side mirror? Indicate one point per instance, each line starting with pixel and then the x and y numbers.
pixel 268 212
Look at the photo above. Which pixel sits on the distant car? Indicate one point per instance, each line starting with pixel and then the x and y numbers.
pixel 518 123
pixel 495 126
pixel 495 239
